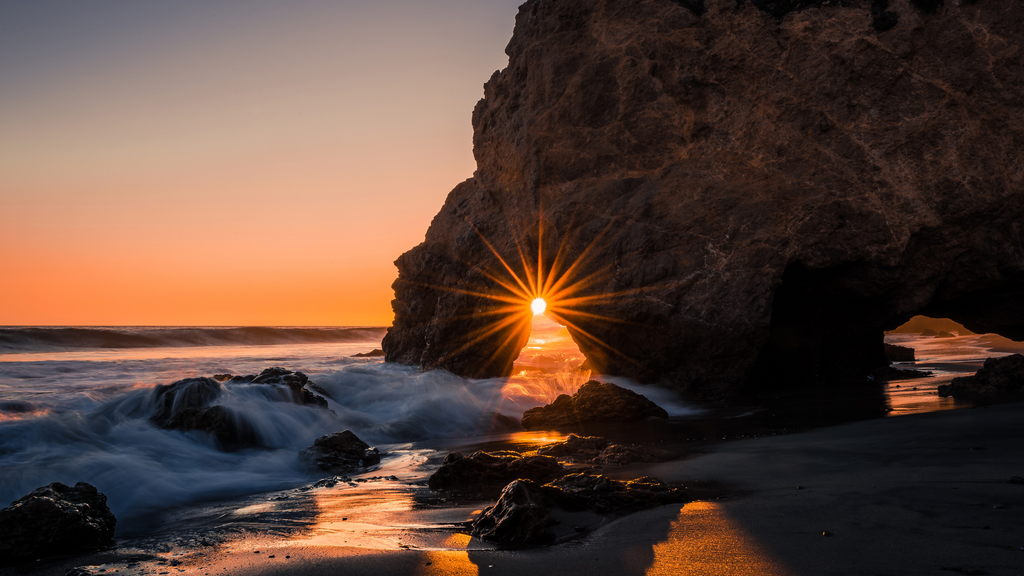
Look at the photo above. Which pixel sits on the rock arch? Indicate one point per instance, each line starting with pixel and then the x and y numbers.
pixel 732 176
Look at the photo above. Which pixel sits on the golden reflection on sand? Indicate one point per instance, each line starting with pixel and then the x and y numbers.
pixel 703 540
pixel 340 518
pixel 452 562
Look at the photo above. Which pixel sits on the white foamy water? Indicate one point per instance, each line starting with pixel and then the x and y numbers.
pixel 75 413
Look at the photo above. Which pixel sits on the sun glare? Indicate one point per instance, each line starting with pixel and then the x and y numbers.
pixel 538 306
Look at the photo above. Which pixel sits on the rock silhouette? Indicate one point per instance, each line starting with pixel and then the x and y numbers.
pixel 55 519
pixel 998 376
pixel 188 404
pixel 483 469
pixel 734 198
pixel 593 402
pixel 340 453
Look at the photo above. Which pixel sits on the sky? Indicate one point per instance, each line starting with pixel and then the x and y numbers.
pixel 239 162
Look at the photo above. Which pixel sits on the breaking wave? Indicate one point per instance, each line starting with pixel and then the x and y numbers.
pixel 30 339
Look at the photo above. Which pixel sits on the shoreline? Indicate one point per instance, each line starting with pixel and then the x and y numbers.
pixel 909 495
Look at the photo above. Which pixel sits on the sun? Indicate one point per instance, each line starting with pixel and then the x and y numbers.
pixel 538 306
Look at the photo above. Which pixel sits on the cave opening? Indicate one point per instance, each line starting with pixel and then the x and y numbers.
pixel 550 363
pixel 845 325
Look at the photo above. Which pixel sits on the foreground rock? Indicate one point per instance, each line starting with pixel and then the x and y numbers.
pixel 998 376
pixel 189 404
pixel 593 402
pixel 489 469
pixel 732 220
pixel 340 453
pixel 595 450
pixel 55 519
pixel 528 513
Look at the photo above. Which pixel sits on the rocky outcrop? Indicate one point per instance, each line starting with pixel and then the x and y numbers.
pixel 527 512
pixel 595 450
pixel 189 404
pixel 55 519
pixel 376 353
pixel 998 376
pixel 899 353
pixel 720 196
pixel 488 469
pixel 593 402
pixel 340 453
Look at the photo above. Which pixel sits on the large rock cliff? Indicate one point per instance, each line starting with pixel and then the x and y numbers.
pixel 718 194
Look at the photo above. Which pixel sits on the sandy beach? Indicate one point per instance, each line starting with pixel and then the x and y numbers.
pixel 920 494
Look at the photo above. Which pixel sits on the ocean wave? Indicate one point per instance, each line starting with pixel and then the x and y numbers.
pixel 32 339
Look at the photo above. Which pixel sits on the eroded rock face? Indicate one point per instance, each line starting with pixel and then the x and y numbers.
pixel 732 196
pixel 55 519
pixel 998 376
pixel 482 469
pixel 340 453
pixel 593 402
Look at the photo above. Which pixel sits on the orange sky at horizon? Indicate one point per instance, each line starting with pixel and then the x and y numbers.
pixel 243 163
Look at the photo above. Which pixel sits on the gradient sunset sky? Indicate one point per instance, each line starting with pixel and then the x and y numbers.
pixel 235 162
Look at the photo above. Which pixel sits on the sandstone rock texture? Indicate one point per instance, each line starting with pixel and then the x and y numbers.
pixel 712 193
pixel 55 519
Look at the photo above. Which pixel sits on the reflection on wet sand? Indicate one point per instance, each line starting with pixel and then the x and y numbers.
pixel 704 540
pixel 451 562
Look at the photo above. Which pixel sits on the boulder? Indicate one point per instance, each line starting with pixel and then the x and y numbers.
pixel 576 448
pixel 56 519
pixel 723 222
pixel 295 382
pixel 340 453
pixel 899 353
pixel 489 469
pixel 998 376
pixel 188 404
pixel 595 450
pixel 526 511
pixel 593 402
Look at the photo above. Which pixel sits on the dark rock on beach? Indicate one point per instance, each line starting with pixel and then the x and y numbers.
pixel 340 453
pixel 595 450
pixel 526 512
pixel 488 469
pixel 998 376
pixel 188 404
pixel 593 402
pixel 55 519
pixel 899 353
pixel 724 222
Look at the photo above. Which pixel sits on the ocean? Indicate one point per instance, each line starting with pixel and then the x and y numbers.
pixel 75 405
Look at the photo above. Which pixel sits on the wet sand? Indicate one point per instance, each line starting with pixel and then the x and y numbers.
pixel 921 494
